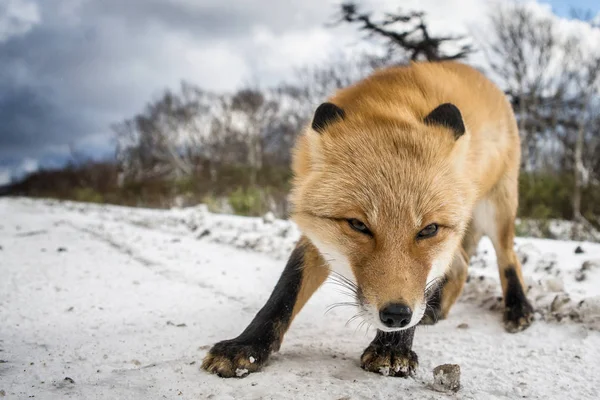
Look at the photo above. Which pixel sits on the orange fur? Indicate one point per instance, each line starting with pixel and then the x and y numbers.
pixel 382 165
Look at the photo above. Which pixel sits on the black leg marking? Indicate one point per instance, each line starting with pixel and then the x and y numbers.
pixel 518 313
pixel 250 350
pixel 390 353
pixel 433 312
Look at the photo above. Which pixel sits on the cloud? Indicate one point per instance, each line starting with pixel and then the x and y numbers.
pixel 5 176
pixel 18 170
pixel 29 165
pixel 17 17
pixel 70 68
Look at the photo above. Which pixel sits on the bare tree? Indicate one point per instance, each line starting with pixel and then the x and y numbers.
pixel 406 33
pixel 552 80
pixel 165 138
pixel 255 112
pixel 314 84
pixel 528 57
pixel 587 90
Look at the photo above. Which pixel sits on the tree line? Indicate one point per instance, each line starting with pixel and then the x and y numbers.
pixel 233 150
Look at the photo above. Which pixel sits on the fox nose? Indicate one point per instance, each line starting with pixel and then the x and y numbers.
pixel 395 315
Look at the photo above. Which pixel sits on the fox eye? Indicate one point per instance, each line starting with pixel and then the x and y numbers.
pixel 359 226
pixel 428 232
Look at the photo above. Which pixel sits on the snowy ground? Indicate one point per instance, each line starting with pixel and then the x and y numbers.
pixel 117 303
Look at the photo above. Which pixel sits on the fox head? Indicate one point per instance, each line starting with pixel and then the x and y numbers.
pixel 382 196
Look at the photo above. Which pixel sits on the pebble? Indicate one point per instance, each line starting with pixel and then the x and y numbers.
pixel 446 377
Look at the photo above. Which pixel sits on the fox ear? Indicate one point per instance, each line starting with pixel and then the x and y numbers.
pixel 447 115
pixel 325 114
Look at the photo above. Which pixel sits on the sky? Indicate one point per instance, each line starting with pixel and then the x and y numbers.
pixel 564 7
pixel 71 68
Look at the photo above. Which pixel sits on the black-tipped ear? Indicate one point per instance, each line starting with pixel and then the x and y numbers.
pixel 325 114
pixel 447 115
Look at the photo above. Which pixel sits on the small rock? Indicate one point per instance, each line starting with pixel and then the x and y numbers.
pixel 202 234
pixel 241 372
pixel 579 250
pixel 61 249
pixel 589 264
pixel 182 325
pixel 463 326
pixel 580 274
pixel 446 377
pixel 2 393
pixel 559 301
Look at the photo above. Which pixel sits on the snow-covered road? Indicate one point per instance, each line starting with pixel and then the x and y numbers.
pixel 117 303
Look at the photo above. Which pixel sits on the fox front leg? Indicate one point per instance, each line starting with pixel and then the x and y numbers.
pixel 303 274
pixel 390 354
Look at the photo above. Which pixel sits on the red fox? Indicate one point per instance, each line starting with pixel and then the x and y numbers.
pixel 395 181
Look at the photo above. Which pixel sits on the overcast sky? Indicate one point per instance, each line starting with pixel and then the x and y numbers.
pixel 70 68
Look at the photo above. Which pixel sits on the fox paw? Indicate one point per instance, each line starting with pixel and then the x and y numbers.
pixel 389 361
pixel 231 359
pixel 518 317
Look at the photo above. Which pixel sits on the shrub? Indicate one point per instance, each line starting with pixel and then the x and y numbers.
pixel 544 196
pixel 248 201
pixel 87 195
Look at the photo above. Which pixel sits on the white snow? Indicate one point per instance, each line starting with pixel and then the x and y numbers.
pixel 126 302
pixel 241 372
